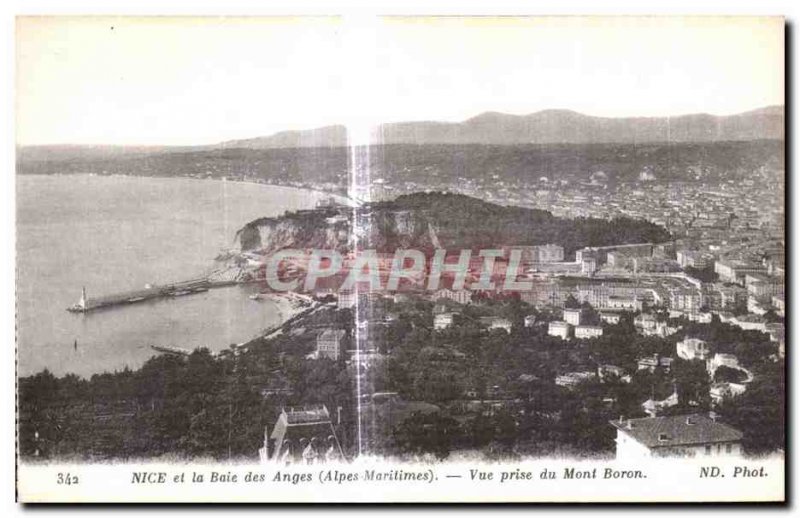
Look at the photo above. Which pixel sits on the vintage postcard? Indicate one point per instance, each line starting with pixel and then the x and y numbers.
pixel 400 259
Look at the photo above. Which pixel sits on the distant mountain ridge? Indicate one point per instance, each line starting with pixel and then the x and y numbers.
pixel 547 127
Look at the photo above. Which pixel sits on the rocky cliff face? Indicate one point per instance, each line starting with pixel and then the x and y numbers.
pixel 272 234
pixel 382 230
pixel 425 221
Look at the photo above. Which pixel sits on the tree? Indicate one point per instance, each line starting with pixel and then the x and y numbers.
pixel 692 384
pixel 727 374
pixel 420 434
pixel 759 413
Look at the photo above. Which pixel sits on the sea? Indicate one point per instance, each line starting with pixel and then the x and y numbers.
pixel 115 233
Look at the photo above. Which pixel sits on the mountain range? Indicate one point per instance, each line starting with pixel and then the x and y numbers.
pixel 546 127
pixel 551 127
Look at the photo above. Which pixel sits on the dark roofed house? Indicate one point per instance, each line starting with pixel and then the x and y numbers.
pixel 693 435
pixel 304 435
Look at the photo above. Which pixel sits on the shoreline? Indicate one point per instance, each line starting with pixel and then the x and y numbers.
pixel 341 198
pixel 289 305
pixel 285 308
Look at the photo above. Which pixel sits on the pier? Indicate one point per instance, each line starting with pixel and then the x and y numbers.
pixel 177 289
pixel 176 351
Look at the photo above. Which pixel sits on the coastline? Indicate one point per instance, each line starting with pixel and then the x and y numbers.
pixel 288 305
pixel 133 355
pixel 341 198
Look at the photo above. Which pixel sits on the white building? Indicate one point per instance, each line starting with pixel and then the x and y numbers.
pixel 530 320
pixel 611 370
pixel 497 323
pixel 460 296
pixel 686 300
pixel 653 408
pixel 721 391
pixel 443 320
pixel 558 328
pixel 588 265
pixel 610 318
pixel 662 329
pixel 346 299
pixel 694 435
pixel 762 287
pixel 750 323
pixel 572 316
pixel 588 331
pixel 779 304
pixel 776 331
pixel 694 259
pixel 734 271
pixel 329 343
pixel 645 322
pixel 651 363
pixel 623 303
pixel 692 349
pixel 755 307
pixel 571 379
pixel 550 253
pixel 543 253
pixel 703 317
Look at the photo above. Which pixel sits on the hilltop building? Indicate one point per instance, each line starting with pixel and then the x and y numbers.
pixel 329 343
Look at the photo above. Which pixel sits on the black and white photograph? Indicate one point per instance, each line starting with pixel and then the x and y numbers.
pixel 400 259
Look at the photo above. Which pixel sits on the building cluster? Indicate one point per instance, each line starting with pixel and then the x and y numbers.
pixel 572 326
pixel 726 262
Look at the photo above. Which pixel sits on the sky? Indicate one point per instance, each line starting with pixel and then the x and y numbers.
pixel 186 81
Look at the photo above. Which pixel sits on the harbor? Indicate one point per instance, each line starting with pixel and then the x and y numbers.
pixel 215 279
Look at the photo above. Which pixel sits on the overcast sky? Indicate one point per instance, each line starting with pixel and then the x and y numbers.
pixel 175 81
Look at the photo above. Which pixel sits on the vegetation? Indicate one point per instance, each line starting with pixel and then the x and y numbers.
pixel 425 165
pixel 459 222
pixel 465 387
pixel 199 406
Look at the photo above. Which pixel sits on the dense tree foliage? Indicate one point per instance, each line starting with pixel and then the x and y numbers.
pixel 464 222
pixel 481 390
pixel 199 406
pixel 761 410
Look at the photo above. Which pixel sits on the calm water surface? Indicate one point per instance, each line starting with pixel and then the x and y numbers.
pixel 115 233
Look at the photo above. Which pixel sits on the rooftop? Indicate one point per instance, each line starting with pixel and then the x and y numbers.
pixel 306 415
pixel 678 430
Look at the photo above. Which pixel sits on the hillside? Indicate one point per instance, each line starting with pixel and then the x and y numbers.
pixel 458 222
pixel 429 166
pixel 548 127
